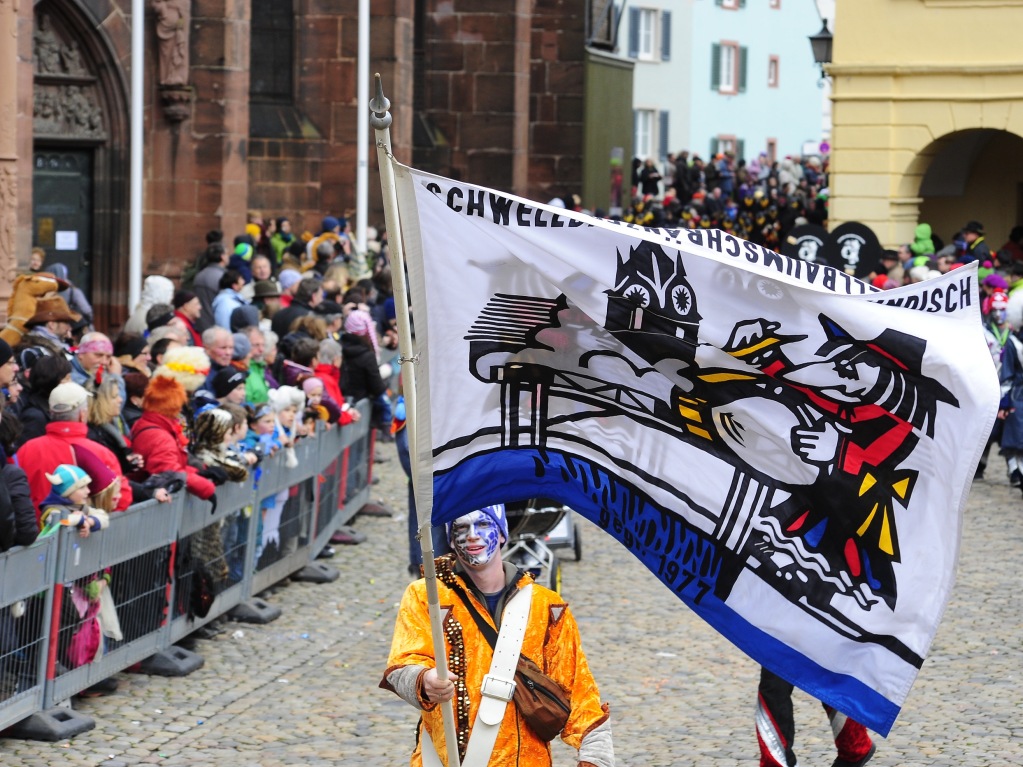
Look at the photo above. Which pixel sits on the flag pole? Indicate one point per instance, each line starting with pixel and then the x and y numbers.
pixel 381 121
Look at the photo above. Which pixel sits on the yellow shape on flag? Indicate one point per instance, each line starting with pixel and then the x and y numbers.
pixel 885 543
pixel 698 431
pixel 866 524
pixel 868 482
pixel 901 488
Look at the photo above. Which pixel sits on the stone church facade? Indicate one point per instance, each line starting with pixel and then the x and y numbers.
pixel 251 105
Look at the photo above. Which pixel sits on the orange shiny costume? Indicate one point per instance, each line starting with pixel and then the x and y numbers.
pixel 552 641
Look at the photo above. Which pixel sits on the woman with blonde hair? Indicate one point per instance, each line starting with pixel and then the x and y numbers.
pixel 105 423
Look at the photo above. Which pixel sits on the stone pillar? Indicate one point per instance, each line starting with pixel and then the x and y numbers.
pixel 8 147
pixel 196 169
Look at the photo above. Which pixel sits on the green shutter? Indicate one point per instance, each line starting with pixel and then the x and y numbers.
pixel 713 149
pixel 715 67
pixel 742 69
pixel 740 149
pixel 633 33
pixel 665 35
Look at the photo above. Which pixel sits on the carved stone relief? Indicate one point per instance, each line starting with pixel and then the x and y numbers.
pixel 53 55
pixel 67 111
pixel 67 103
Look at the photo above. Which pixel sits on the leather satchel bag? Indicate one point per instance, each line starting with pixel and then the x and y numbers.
pixel 542 701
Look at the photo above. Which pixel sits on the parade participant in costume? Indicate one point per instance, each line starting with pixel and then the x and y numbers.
pixel 776 729
pixel 479 582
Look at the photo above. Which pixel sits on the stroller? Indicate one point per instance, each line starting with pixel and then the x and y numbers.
pixel 536 527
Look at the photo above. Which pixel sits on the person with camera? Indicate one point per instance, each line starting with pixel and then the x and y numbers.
pixel 505 712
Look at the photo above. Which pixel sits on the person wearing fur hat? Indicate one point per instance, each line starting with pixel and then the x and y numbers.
pixel 188 365
pixel 213 430
pixel 476 585
pixel 160 439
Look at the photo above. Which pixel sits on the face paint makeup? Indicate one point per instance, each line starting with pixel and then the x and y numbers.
pixel 475 538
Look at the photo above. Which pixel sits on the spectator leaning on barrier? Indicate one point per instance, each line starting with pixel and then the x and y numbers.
pixel 158 437
pixel 65 441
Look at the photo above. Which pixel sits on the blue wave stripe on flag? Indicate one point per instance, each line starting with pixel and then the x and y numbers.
pixel 686 560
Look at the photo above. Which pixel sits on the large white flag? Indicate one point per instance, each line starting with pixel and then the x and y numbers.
pixel 786 448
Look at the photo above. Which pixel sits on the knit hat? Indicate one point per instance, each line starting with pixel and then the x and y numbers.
pixel 288 277
pixel 67 397
pixel 67 478
pixel 243 251
pixel 974 226
pixel 158 316
pixel 242 346
pixel 182 297
pixel 226 381
pixel 995 281
pixel 5 352
pixel 496 514
pixel 309 385
pixel 359 323
pixel 246 316
pixel 329 224
pixel 253 231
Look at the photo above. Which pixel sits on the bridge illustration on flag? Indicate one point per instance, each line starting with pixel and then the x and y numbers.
pixel 763 438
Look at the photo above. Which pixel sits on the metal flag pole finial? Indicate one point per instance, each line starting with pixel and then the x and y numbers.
pixel 381 121
pixel 380 105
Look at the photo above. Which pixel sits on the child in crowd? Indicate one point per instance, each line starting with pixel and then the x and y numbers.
pixel 70 494
pixel 319 405
pixel 212 434
pixel 239 430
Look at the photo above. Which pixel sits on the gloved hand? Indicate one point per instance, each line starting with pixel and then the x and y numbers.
pixel 213 500
pixel 214 474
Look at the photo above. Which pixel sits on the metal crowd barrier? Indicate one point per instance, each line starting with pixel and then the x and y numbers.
pixel 166 569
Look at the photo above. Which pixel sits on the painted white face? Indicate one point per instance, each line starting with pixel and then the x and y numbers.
pixel 475 538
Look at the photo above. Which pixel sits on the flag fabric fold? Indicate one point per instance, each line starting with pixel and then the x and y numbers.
pixel 785 447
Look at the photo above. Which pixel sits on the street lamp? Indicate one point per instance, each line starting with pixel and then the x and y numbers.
pixel 821 46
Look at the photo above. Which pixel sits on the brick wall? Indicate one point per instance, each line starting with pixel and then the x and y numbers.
pixel 503 86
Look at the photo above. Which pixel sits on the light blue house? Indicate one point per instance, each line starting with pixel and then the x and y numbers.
pixel 722 75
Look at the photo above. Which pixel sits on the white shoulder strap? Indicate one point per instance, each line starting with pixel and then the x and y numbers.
pixel 498 685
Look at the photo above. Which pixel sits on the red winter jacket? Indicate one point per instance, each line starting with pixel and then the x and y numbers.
pixel 163 446
pixel 42 455
pixel 331 377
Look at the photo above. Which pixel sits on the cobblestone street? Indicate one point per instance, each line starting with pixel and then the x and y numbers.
pixel 303 690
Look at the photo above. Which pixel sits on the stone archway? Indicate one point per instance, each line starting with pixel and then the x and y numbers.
pixel 971 174
pixel 80 153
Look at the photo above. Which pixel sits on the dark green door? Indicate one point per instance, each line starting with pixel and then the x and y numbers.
pixel 62 211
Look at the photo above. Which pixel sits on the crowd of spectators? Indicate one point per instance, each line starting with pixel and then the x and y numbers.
pixel 760 200
pixel 268 339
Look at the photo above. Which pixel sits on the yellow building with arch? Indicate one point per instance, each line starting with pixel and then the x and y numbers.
pixel 927 116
